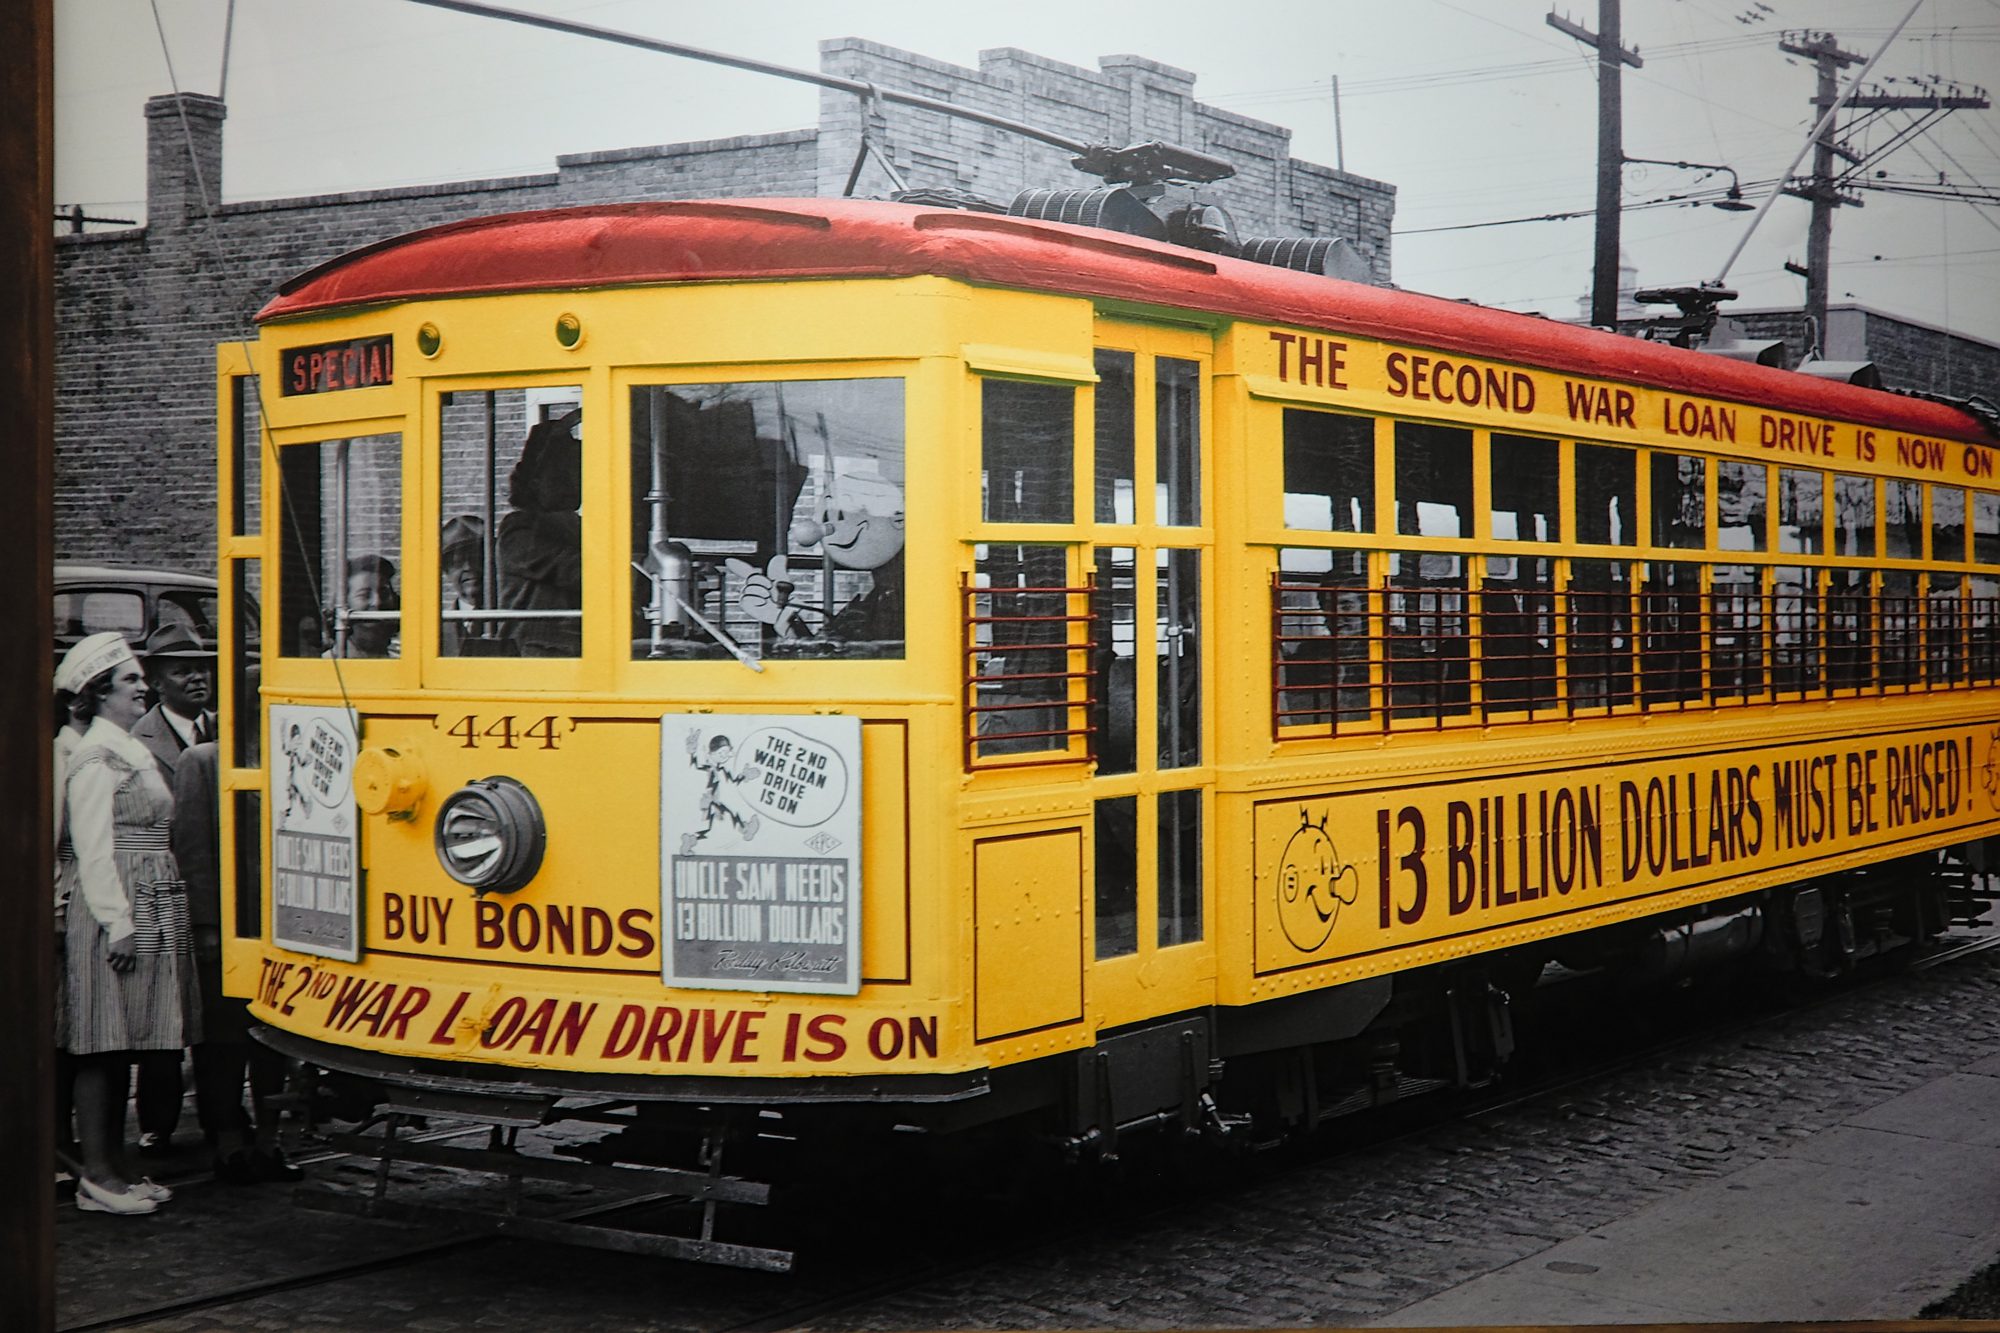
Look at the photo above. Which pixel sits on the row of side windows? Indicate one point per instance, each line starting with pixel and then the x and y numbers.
pixel 1330 486
pixel 1367 639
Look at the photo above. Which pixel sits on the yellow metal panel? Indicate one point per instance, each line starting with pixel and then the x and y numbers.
pixel 1370 875
pixel 1027 895
pixel 885 871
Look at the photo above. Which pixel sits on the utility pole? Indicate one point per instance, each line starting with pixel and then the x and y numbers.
pixel 1823 188
pixel 1610 152
pixel 1819 188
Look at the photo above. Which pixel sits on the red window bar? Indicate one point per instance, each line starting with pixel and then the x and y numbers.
pixel 1349 658
pixel 1597 637
pixel 1322 654
pixel 1739 626
pixel 1671 637
pixel 1983 639
pixel 1517 637
pixel 1019 701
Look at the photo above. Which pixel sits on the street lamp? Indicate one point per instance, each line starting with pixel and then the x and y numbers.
pixel 1731 202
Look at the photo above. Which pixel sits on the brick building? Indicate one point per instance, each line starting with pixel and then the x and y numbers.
pixel 1907 354
pixel 140 311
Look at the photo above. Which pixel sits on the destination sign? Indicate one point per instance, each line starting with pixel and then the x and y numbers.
pixel 360 363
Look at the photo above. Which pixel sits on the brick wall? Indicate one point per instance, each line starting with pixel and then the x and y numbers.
pixel 140 311
pixel 1908 355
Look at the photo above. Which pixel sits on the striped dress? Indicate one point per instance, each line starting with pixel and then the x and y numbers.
pixel 157 1005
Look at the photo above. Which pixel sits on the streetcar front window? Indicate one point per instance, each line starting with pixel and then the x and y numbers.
pixel 510 523
pixel 767 520
pixel 340 590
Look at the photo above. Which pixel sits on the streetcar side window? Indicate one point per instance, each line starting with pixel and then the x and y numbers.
pixel 1027 452
pixel 341 548
pixel 1801 511
pixel 510 523
pixel 1680 501
pixel 1903 520
pixel 1740 505
pixel 1329 472
pixel 1854 516
pixel 1985 528
pixel 1947 525
pixel 1526 489
pixel 1607 503
pixel 767 520
pixel 1323 638
pixel 1433 480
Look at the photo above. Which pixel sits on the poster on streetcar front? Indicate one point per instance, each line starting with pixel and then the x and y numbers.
pixel 315 831
pixel 760 852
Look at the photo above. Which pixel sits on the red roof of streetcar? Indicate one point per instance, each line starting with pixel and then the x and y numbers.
pixel 615 245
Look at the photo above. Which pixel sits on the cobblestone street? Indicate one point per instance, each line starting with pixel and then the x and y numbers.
pixel 1346 1239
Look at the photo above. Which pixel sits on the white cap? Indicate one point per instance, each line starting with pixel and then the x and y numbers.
pixel 90 658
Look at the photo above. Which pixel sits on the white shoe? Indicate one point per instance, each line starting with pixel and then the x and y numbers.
pixel 92 1197
pixel 146 1189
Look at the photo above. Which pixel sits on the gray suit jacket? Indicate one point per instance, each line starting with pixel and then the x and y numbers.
pixel 161 738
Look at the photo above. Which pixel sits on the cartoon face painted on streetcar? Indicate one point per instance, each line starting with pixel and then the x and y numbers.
pixel 1313 885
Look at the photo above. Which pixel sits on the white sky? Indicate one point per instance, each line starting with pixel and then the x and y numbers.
pixel 1476 110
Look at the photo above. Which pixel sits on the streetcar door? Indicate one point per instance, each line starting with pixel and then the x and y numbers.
pixel 1152 791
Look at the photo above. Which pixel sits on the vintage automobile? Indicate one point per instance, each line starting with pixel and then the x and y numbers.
pixel 90 599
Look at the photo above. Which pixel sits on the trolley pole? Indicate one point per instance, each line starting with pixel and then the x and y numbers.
pixel 1610 151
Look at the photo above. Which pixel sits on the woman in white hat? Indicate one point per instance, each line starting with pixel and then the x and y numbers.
pixel 127 978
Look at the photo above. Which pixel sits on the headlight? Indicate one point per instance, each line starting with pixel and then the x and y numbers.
pixel 490 835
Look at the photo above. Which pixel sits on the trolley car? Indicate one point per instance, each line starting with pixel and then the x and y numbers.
pixel 842 664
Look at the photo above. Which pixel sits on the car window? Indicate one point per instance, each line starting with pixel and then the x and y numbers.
pixel 85 611
pixel 191 607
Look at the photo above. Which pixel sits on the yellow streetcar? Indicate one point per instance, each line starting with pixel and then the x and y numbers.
pixel 845 664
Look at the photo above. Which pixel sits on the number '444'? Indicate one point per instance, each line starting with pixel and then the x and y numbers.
pixel 505 732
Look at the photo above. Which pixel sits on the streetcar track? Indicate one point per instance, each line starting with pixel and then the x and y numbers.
pixel 999 1239
pixel 1433 1114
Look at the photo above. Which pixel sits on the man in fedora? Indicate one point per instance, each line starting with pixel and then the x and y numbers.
pixel 182 674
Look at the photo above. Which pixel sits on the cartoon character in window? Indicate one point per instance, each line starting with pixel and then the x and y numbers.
pixel 858 525
pixel 727 795
pixel 767 597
